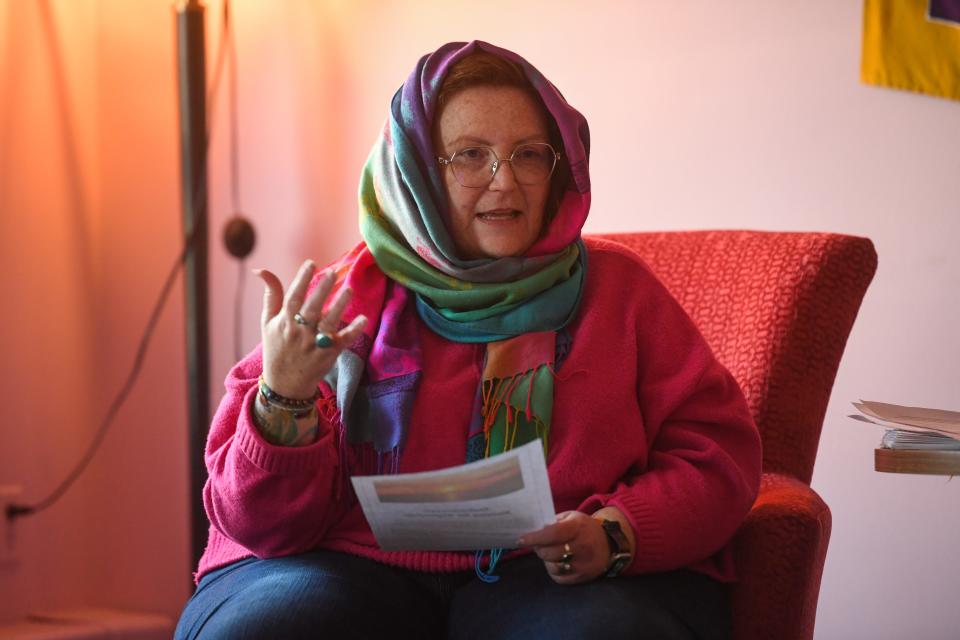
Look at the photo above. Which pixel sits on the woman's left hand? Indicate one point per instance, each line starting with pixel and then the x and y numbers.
pixel 579 536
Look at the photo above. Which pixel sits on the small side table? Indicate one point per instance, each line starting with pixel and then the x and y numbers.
pixel 937 463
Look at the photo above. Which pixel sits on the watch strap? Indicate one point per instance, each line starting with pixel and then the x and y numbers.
pixel 620 553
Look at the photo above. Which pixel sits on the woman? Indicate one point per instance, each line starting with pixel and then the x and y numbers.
pixel 468 322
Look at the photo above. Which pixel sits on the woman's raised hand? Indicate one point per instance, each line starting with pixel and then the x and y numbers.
pixel 293 364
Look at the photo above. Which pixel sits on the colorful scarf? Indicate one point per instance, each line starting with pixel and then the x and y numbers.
pixel 407 267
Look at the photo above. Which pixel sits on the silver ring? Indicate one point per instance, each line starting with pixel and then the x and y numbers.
pixel 299 319
pixel 567 557
pixel 565 568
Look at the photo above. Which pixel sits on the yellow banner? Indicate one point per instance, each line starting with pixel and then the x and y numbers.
pixel 912 45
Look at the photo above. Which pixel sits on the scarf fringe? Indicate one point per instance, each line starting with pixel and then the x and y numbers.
pixel 497 400
pixel 497 397
pixel 361 458
pixel 487 576
pixel 328 410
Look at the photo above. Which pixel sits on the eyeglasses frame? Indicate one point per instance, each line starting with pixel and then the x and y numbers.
pixel 497 163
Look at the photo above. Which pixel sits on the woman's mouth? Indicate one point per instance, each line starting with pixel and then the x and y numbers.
pixel 498 215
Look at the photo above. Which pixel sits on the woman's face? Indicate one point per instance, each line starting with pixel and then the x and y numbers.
pixel 503 218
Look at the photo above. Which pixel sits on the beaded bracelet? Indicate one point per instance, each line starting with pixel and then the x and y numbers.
pixel 265 407
pixel 291 404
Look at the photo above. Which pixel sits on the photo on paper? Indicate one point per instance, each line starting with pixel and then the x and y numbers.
pixel 489 481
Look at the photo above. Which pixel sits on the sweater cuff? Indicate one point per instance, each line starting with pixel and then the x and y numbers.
pixel 278 459
pixel 647 533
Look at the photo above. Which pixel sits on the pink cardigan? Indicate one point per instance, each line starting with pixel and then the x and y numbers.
pixel 644 419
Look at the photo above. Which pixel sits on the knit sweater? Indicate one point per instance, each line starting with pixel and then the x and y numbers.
pixel 645 419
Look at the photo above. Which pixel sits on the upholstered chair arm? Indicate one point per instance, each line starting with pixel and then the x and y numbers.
pixel 780 551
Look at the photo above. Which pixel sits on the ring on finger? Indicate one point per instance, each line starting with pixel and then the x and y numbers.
pixel 565 568
pixel 299 319
pixel 567 556
pixel 323 340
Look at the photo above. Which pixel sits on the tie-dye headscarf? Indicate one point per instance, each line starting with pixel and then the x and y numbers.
pixel 407 265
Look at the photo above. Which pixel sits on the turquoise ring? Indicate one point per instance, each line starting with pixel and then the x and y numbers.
pixel 323 340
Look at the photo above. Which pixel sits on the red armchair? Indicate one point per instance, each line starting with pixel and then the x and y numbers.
pixel 777 309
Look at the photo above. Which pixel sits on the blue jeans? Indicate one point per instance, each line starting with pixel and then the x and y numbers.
pixel 325 594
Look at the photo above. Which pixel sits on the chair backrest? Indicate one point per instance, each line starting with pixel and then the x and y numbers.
pixel 776 308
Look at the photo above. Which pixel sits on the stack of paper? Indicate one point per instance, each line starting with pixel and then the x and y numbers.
pixel 913 428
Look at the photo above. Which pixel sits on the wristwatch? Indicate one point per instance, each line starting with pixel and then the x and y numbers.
pixel 620 554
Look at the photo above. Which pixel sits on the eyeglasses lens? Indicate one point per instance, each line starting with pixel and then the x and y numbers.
pixel 531 164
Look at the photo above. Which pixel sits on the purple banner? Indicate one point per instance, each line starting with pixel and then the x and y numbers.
pixel 944 11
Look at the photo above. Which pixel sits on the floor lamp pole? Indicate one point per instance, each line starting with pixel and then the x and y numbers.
pixel 191 73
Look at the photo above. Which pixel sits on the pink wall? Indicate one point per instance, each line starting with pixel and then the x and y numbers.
pixel 742 114
pixel 89 201
pixel 47 174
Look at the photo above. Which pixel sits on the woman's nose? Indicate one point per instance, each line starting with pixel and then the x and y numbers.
pixel 503 176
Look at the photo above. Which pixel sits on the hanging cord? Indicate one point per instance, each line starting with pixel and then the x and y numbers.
pixel 14 511
pixel 234 133
pixel 238 311
pixel 238 234
pixel 235 182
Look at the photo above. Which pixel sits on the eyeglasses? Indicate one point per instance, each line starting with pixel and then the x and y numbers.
pixel 475 167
